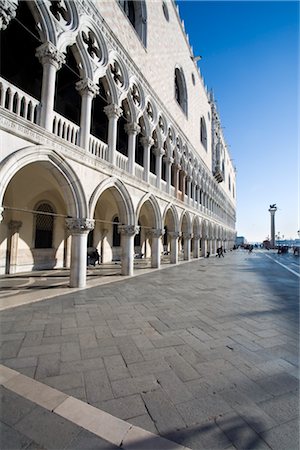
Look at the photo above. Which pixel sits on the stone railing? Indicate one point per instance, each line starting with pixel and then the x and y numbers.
pixel 17 101
pixel 152 178
pixel 121 161
pixel 65 129
pixel 139 171
pixel 98 148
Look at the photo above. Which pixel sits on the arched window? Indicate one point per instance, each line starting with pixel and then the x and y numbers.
pixel 136 12
pixel 44 226
pixel 180 90
pixel 203 133
pixel 116 234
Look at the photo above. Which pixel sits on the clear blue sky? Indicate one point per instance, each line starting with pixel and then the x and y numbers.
pixel 250 52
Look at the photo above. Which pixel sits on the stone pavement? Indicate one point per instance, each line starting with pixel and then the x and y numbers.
pixel 204 354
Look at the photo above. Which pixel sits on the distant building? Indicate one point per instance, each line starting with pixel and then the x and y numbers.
pixel 240 240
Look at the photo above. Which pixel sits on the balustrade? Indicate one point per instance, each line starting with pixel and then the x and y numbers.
pixel 139 171
pixel 98 148
pixel 65 129
pixel 17 101
pixel 121 161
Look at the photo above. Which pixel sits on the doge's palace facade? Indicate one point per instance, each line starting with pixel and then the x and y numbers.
pixel 109 139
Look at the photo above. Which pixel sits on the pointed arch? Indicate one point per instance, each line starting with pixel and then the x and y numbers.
pixel 63 173
pixel 155 208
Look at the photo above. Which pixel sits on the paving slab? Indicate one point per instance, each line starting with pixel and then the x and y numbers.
pixel 189 341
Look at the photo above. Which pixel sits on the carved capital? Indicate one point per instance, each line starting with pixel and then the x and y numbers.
pixel 14 225
pixel 8 10
pixel 132 128
pixel 48 53
pixel 147 141
pixel 128 230
pixel 187 236
pixel 87 86
pixel 156 232
pixel 159 152
pixel 169 160
pixel 113 110
pixel 174 234
pixel 80 226
pixel 197 237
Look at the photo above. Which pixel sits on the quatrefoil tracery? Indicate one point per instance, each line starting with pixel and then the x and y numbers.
pixel 92 45
pixel 117 73
pixel 59 10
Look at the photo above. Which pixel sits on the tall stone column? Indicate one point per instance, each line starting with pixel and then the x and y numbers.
pixel 176 178
pixel 132 129
pixel 187 245
pixel 174 236
pixel 14 228
pixel 127 242
pixel 203 247
pixel 79 229
pixel 51 60
pixel 88 90
pixel 156 234
pixel 272 211
pixel 147 143
pixel 189 181
pixel 113 113
pixel 196 250
pixel 8 10
pixel 183 186
pixel 159 152
pixel 169 162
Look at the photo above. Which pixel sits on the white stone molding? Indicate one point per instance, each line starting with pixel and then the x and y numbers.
pixel 8 10
pixel 48 53
pixel 80 226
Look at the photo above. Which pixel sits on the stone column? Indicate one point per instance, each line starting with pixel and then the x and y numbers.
pixel 159 152
pixel 113 113
pixel 194 193
pixel 147 143
pixel 174 235
pixel 51 60
pixel 169 162
pixel 14 227
pixel 132 129
pixel 196 240
pixel 176 178
pixel 8 10
pixel 79 229
pixel 187 245
pixel 156 234
pixel 189 180
pixel 183 185
pixel 88 90
pixel 203 247
pixel 127 242
pixel 272 211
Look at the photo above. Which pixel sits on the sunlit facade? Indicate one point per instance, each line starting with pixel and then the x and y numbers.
pixel 109 139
